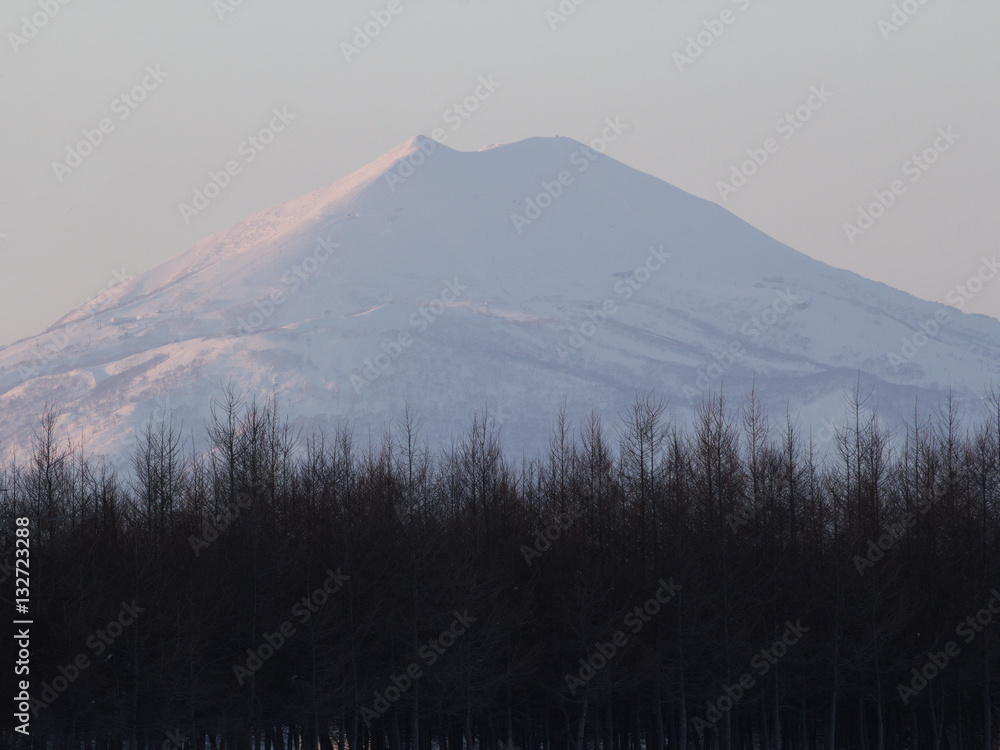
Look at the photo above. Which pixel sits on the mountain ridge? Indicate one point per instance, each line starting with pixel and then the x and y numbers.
pixel 412 280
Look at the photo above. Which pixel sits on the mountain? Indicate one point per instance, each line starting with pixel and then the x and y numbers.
pixel 516 279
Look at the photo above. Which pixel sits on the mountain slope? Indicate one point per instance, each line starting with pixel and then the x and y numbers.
pixel 516 278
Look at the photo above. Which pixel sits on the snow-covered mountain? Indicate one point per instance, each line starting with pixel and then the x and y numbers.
pixel 516 279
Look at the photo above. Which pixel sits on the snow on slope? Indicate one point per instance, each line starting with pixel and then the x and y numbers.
pixel 456 282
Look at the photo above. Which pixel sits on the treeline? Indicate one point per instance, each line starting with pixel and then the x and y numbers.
pixel 634 586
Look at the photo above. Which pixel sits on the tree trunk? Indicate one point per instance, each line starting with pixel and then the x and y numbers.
pixel 661 737
pixel 831 726
pixel 581 724
pixel 880 714
pixel 987 718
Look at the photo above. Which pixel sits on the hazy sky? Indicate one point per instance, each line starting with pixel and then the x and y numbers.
pixel 848 91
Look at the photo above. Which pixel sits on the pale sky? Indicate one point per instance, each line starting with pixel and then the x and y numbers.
pixel 848 93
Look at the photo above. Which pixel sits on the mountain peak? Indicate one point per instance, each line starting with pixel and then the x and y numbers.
pixel 418 142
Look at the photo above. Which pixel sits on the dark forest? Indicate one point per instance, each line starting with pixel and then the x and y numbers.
pixel 730 584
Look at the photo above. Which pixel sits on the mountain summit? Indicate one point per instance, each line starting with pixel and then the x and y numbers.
pixel 513 279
